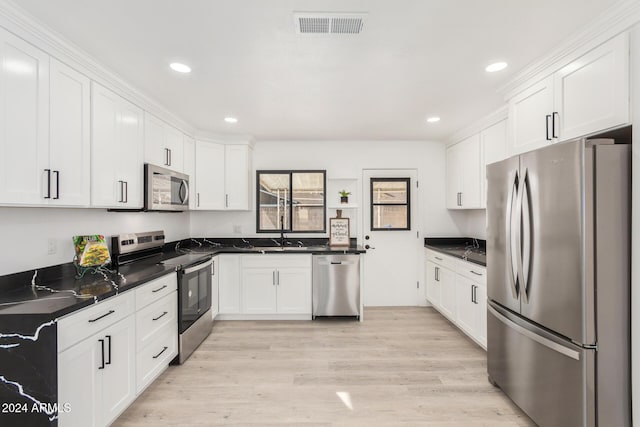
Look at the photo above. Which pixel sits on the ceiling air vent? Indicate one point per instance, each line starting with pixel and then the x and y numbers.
pixel 329 23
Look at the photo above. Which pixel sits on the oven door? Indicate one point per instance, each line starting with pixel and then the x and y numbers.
pixel 195 293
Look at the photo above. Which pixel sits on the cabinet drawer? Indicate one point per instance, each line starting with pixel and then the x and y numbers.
pixel 156 289
pixel 441 259
pixel 275 261
pixel 156 318
pixel 80 325
pixel 474 272
pixel 155 357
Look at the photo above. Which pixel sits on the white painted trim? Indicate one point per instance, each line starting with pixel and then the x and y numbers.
pixel 500 114
pixel 20 23
pixel 241 316
pixel 619 18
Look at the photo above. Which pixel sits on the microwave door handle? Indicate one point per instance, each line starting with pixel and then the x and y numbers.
pixel 184 185
pixel 513 231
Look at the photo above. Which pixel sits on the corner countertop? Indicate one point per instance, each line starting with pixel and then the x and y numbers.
pixel 55 291
pixel 465 248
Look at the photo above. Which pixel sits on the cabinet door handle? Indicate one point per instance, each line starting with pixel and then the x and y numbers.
pixel 477 274
pixel 198 199
pixel 166 157
pixel 121 200
pixel 161 316
pixel 553 124
pixel 273 277
pixel 102 354
pixel 159 289
pixel 437 274
pixel 547 117
pixel 109 350
pixel 278 277
pixel 48 171
pixel 226 200
pixel 163 350
pixel 57 184
pixel 170 157
pixel 126 192
pixel 103 316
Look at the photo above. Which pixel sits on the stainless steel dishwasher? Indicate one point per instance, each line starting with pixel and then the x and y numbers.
pixel 336 285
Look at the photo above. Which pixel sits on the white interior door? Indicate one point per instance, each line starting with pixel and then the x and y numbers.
pixel 390 206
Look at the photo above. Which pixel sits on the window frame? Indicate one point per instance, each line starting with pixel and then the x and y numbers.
pixel 290 172
pixel 372 204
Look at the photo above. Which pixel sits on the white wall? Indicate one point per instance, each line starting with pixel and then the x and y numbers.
pixel 476 224
pixel 347 159
pixel 25 232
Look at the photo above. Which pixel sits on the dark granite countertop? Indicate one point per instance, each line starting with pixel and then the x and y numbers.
pixel 55 291
pixel 465 248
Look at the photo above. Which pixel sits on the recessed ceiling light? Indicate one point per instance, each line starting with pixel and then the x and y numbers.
pixel 181 68
pixel 433 119
pixel 231 120
pixel 496 66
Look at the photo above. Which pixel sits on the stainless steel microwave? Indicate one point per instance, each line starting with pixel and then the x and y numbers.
pixel 164 189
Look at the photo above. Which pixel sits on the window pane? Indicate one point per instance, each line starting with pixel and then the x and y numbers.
pixel 307 218
pixel 390 217
pixel 308 201
pixel 274 201
pixel 389 192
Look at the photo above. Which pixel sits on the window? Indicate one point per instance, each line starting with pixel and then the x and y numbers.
pixel 390 204
pixel 291 200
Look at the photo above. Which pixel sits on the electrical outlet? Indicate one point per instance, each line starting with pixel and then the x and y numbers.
pixel 52 247
pixel 237 229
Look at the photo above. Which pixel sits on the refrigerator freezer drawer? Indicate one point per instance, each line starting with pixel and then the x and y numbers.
pixel 550 379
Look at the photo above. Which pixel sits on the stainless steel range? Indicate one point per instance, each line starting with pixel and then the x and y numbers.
pixel 194 284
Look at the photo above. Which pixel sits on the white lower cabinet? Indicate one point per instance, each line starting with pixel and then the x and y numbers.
pixel 458 290
pixel 229 283
pixel 96 376
pixel 110 352
pixel 215 280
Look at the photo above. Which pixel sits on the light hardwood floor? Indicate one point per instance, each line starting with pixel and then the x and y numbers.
pixel 401 366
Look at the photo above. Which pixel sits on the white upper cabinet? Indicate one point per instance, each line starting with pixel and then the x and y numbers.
pixel 493 144
pixel 70 143
pixel 464 184
pixel 24 120
pixel 189 154
pixel 592 93
pixel 588 95
pixel 117 151
pixel 222 176
pixel 163 144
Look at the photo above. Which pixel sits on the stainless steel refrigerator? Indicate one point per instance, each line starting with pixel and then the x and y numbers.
pixel 558 277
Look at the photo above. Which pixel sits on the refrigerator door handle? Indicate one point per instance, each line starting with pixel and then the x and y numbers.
pixel 512 234
pixel 518 238
pixel 532 335
pixel 526 237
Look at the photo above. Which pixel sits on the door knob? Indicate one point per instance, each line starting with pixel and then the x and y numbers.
pixel 366 237
pixel 368 247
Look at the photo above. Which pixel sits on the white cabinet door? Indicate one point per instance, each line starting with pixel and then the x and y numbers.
pixel 433 285
pixel 294 290
pixel 466 312
pixel 118 376
pixel 470 162
pixel 210 193
pixel 530 118
pixel 453 176
pixel 259 290
pixel 131 153
pixel 493 145
pixel 447 292
pixel 229 278
pixel 117 151
pixel 189 161
pixel 69 140
pixel 592 93
pixel 24 120
pixel 174 140
pixel 79 384
pixel 237 171
pixel 154 146
pixel 481 306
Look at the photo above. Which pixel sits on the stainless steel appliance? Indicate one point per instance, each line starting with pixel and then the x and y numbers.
pixel 558 274
pixel 336 285
pixel 164 189
pixel 194 284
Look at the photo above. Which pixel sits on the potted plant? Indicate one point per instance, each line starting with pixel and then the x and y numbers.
pixel 344 196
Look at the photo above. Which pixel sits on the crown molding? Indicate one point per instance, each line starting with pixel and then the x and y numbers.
pixel 20 23
pixel 617 19
pixel 491 119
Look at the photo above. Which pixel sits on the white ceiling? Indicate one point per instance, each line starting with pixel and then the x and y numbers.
pixel 414 59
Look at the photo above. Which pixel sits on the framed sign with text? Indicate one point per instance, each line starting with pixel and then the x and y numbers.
pixel 339 232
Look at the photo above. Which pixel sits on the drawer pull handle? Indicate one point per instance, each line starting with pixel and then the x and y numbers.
pixel 161 316
pixel 104 315
pixel 477 274
pixel 438 258
pixel 163 350
pixel 159 289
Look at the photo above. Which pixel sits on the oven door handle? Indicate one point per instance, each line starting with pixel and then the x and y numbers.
pixel 197 267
